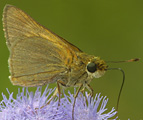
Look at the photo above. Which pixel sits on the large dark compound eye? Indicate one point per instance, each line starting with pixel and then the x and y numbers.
pixel 91 67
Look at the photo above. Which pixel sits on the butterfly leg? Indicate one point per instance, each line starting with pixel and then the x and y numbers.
pixel 90 89
pixel 53 96
pixel 59 91
pixel 75 100
pixel 82 90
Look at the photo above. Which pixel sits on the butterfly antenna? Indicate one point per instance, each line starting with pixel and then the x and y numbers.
pixel 119 95
pixel 131 60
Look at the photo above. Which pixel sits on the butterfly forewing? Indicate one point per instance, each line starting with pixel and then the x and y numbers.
pixel 17 24
pixel 37 56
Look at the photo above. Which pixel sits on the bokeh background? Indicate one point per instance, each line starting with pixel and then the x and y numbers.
pixel 111 29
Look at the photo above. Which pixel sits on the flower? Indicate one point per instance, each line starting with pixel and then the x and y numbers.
pixel 32 106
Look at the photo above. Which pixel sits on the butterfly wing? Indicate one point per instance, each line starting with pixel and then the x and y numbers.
pixel 37 55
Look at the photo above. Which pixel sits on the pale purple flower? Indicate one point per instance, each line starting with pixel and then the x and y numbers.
pixel 32 106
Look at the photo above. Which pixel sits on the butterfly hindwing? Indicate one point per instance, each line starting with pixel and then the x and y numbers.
pixel 37 55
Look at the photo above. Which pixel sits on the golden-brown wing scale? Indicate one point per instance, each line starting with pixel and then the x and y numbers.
pixel 37 55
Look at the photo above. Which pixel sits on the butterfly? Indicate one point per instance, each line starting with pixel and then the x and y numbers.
pixel 39 56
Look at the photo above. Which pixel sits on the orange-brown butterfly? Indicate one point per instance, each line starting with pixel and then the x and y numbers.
pixel 39 57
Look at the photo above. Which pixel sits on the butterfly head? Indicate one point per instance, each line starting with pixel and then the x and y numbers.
pixel 96 67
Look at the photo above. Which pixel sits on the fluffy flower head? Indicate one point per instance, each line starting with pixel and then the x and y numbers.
pixel 33 106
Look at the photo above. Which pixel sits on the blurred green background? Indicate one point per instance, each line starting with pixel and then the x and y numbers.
pixel 111 29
